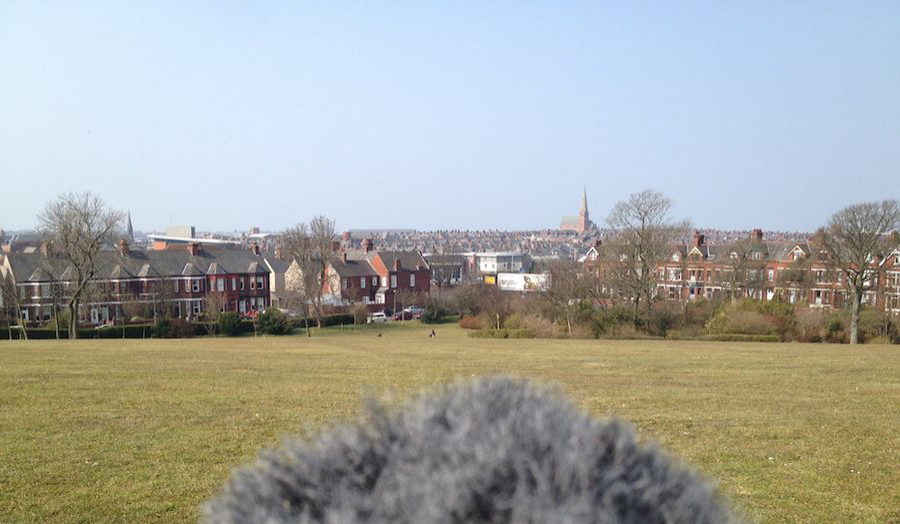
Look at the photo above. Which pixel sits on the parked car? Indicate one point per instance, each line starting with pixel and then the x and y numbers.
pixel 416 311
pixel 404 315
pixel 377 318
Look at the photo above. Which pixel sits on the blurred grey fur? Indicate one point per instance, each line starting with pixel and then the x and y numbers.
pixel 493 450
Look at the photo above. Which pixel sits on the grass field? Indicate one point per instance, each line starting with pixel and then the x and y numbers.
pixel 143 431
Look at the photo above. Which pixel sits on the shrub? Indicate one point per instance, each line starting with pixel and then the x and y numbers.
pixel 173 328
pixel 337 319
pixel 836 328
pixel 229 324
pixel 663 317
pixel 273 322
pixel 878 324
pixel 809 326
pixel 360 314
pixel 435 312
pixel 470 322
pixel 741 320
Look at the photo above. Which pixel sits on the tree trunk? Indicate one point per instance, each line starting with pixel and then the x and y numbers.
pixel 23 329
pixel 56 317
pixel 854 317
pixel 73 319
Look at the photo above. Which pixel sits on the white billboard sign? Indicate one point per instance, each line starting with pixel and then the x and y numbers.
pixel 522 281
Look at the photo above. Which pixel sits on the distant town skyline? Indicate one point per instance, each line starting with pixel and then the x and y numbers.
pixel 463 116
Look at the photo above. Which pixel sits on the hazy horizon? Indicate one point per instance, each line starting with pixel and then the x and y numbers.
pixel 470 116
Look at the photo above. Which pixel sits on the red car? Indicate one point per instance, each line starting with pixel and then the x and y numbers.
pixel 404 315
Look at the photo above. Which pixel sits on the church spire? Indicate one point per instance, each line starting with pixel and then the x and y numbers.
pixel 584 208
pixel 129 231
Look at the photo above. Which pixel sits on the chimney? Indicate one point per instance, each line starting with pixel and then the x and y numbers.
pixel 346 237
pixel 193 248
pixel 254 246
pixel 699 239
pixel 757 235
pixel 598 243
pixel 397 264
pixel 123 247
pixel 45 248
pixel 368 245
pixel 344 257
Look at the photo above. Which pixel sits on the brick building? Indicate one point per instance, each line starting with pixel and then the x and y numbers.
pixel 130 282
pixel 796 272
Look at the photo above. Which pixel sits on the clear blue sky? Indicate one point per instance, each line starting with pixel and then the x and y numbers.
pixel 463 115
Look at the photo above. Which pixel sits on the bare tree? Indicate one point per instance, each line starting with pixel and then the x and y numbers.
pixel 215 304
pixel 853 238
pixel 10 298
pixel 569 289
pixel 743 266
pixel 79 225
pixel 643 236
pixel 308 247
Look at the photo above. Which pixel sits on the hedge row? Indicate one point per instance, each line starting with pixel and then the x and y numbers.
pixel 736 337
pixel 197 329
pixel 502 333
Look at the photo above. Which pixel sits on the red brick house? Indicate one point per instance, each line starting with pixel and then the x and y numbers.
pixel 798 273
pixel 174 281
pixel 377 278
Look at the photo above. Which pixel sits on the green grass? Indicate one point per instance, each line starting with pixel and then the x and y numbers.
pixel 111 430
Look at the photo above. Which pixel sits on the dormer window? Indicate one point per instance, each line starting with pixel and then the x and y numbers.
pixel 756 255
pixel 676 257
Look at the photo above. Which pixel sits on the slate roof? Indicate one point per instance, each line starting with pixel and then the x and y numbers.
pixel 355 266
pixel 409 260
pixel 35 267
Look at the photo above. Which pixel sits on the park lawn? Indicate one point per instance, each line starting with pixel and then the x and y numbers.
pixel 146 430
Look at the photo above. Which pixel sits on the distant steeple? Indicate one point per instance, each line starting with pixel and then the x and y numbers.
pixel 584 209
pixel 129 231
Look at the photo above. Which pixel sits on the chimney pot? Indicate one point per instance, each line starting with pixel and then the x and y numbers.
pixel 397 264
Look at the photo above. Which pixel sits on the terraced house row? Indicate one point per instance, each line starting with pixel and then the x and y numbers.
pixel 142 283
pixel 797 272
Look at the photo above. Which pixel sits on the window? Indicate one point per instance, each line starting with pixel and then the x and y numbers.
pixel 345 283
pixel 771 275
pixel 252 283
pixel 362 282
pixel 220 285
pixel 195 307
pixel 260 282
pixel 195 285
pixel 242 283
pixel 233 284
pixel 383 281
pixel 412 280
pixel 374 281
pixel 261 301
pixel 176 289
pixel 394 280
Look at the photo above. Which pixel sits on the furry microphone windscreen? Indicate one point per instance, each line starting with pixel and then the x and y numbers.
pixel 494 450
